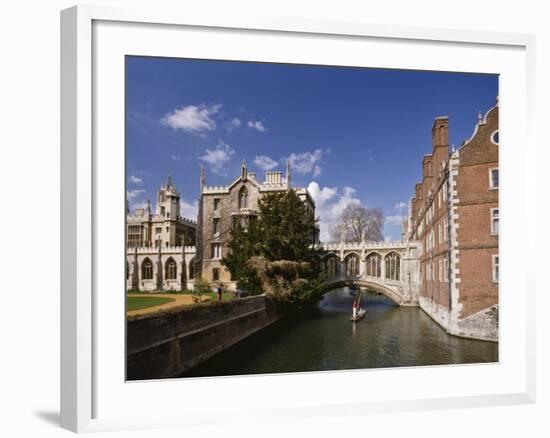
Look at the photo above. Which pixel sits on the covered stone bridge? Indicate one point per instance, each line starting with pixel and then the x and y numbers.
pixel 390 268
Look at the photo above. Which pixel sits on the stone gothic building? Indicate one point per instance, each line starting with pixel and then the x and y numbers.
pixel 166 227
pixel 220 207
pixel 160 246
pixel 165 250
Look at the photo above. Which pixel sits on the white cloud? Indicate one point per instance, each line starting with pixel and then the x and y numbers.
pixel 217 158
pixel 257 125
pixel 307 162
pixel 189 210
pixel 176 157
pixel 400 206
pixel 135 179
pixel 265 163
pixel 136 205
pixel 396 219
pixel 193 119
pixel 329 204
pixel 133 194
pixel 233 124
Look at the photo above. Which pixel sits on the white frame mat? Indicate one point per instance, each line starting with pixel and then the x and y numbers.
pixel 94 395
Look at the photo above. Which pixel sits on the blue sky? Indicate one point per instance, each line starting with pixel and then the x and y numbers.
pixel 353 135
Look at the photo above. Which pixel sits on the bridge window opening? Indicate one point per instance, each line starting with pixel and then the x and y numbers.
pixel 374 263
pixel 392 266
pixel 147 269
pixel 171 269
pixel 332 267
pixel 352 265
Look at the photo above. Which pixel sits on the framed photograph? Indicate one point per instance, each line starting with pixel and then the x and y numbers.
pixel 262 207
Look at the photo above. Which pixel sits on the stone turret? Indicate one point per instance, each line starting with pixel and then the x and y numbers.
pixel 168 200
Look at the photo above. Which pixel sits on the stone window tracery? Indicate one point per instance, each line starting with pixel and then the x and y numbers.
pixel 147 269
pixel 374 265
pixel 392 261
pixel 171 269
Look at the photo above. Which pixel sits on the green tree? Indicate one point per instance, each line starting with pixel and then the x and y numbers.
pixel 274 253
pixel 201 287
pixel 243 246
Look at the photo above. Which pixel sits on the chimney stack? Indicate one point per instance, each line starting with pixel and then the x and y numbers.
pixel 273 178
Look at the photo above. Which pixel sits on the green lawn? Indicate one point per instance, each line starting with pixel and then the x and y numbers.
pixel 135 303
pixel 226 296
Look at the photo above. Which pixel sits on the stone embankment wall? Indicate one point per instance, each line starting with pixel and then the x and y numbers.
pixel 482 325
pixel 169 343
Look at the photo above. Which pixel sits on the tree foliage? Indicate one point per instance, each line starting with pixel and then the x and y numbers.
pixel 357 223
pixel 201 287
pixel 274 253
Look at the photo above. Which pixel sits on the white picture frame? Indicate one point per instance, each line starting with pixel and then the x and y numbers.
pixel 87 377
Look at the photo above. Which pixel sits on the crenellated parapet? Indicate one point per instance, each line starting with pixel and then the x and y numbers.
pixel 215 189
pixel 149 250
pixel 357 246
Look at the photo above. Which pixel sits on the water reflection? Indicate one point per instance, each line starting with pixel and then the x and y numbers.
pixel 326 339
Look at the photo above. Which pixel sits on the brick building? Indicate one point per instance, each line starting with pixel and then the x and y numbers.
pixel 454 215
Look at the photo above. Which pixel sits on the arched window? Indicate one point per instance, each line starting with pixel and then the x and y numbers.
pixel 352 265
pixel 192 269
pixel 171 269
pixel 147 269
pixel 332 265
pixel 374 263
pixel 392 261
pixel 243 198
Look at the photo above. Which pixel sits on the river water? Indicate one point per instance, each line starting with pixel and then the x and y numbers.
pixel 326 339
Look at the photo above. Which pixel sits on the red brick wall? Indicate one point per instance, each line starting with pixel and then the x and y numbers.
pixel 476 244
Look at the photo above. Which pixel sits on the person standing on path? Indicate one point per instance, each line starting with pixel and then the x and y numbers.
pixel 219 292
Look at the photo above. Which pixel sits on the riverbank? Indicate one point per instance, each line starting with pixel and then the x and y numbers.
pixel 170 342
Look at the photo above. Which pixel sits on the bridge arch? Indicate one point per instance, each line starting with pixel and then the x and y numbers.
pixel 378 287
